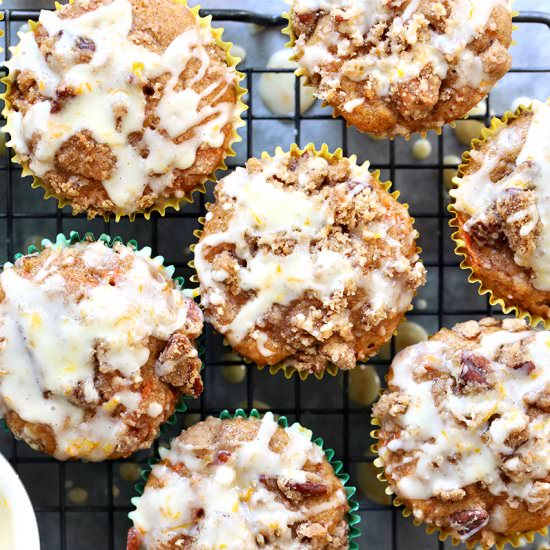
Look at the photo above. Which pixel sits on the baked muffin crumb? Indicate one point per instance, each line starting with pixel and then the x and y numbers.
pixel 394 68
pixel 306 261
pixel 246 481
pixel 97 349
pixel 465 430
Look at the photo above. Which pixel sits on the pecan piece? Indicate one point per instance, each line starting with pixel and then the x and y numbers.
pixel 473 374
pixel 468 522
pixel 61 96
pixel 527 367
pixel 85 44
pixel 308 488
pixel 223 456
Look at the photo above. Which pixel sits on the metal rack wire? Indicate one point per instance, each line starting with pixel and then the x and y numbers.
pixel 112 509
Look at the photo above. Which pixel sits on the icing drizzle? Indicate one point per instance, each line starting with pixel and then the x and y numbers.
pixel 260 208
pixel 112 83
pixel 236 504
pixel 363 19
pixel 52 340
pixel 476 194
pixel 459 440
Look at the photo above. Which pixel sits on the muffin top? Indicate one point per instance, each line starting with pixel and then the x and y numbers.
pixel 465 429
pixel 96 348
pixel 503 195
pixel 118 106
pixel 241 483
pixel 397 67
pixel 306 260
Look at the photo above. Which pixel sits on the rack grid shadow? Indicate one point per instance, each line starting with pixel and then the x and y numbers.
pixel 67 520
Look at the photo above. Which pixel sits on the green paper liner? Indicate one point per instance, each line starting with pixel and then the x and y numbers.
pixel 332 369
pixel 170 202
pixel 353 516
pixel 74 237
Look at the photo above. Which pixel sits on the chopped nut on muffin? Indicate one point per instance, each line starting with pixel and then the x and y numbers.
pixel 97 349
pixel 121 106
pixel 241 483
pixel 465 430
pixel 397 67
pixel 502 214
pixel 306 261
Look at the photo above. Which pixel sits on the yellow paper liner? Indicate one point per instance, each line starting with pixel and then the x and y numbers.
pixel 516 541
pixel 300 72
pixel 461 249
pixel 173 202
pixel 325 153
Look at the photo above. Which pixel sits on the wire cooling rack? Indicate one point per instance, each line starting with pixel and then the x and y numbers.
pixel 84 506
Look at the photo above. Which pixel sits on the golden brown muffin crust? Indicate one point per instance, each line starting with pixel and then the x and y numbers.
pixel 82 164
pixel 158 389
pixel 367 227
pixel 216 442
pixel 472 511
pixel 418 104
pixel 491 243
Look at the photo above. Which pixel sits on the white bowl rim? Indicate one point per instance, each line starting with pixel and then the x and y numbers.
pixel 23 517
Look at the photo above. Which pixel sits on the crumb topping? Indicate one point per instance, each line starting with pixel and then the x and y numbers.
pixel 78 326
pixel 85 88
pixel 469 408
pixel 242 484
pixel 312 248
pixel 414 54
pixel 506 195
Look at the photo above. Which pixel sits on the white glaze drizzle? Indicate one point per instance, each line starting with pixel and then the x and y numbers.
pixel 440 50
pixel 50 341
pixel 476 193
pixel 113 80
pixel 454 428
pixel 262 209
pixel 237 506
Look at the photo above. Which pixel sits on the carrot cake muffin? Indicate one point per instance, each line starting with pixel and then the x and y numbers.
pixel 121 106
pixel 306 261
pixel 96 349
pixel 502 212
pixel 465 430
pixel 397 67
pixel 241 484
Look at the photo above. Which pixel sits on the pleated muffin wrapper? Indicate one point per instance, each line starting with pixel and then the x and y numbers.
pixel 168 203
pixel 461 247
pixel 353 516
pixel 516 541
pixel 324 152
pixel 300 72
pixel 74 237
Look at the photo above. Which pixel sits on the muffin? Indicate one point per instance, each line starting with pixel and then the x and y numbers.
pixel 399 67
pixel 306 261
pixel 465 431
pixel 122 106
pixel 501 215
pixel 241 483
pixel 97 349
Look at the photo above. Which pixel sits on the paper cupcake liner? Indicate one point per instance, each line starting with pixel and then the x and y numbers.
pixel 516 541
pixel 323 152
pixel 170 203
pixel 507 305
pixel 62 240
pixel 300 72
pixel 353 516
